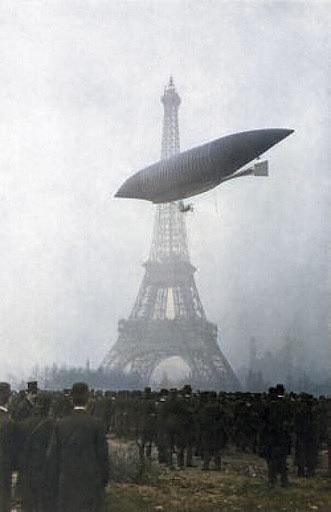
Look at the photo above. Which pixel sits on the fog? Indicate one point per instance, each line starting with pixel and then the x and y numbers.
pixel 80 111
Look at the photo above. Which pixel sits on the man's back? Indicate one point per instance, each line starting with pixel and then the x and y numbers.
pixel 79 452
pixel 6 459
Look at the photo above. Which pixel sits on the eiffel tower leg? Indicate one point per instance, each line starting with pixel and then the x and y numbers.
pixel 213 369
pixel 144 365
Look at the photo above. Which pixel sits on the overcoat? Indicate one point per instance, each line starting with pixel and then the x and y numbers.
pixel 78 456
pixel 6 459
pixel 36 492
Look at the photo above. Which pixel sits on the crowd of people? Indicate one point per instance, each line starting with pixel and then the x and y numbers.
pixel 56 449
pixel 202 425
pixel 56 443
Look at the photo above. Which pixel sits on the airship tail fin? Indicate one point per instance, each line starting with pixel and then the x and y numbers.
pixel 261 168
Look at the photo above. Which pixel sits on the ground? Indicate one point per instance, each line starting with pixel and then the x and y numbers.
pixel 241 486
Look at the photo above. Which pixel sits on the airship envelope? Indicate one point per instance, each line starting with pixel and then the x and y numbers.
pixel 199 169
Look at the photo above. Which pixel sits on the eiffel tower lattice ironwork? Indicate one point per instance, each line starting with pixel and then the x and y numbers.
pixel 168 318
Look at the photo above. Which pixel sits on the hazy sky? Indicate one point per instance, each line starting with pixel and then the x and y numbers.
pixel 80 110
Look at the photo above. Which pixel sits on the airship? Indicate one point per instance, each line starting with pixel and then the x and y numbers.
pixel 202 168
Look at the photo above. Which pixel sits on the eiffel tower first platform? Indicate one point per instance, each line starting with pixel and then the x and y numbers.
pixel 168 318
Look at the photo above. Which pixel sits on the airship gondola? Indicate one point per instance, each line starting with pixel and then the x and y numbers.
pixel 200 169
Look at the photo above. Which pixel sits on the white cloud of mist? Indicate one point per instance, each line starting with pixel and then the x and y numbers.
pixel 80 110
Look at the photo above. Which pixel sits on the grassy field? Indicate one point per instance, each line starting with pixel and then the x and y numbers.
pixel 241 486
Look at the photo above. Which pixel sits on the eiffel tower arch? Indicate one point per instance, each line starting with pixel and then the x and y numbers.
pixel 168 318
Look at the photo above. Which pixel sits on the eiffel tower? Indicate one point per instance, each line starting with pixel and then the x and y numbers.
pixel 168 318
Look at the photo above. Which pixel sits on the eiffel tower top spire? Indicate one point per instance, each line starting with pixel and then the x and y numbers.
pixel 169 235
pixel 170 137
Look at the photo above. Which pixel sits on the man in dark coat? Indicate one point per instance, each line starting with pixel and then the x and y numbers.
pixel 26 418
pixel 170 419
pixel 25 405
pixel 212 428
pixel 306 436
pixel 36 494
pixel 78 455
pixel 6 449
pixel 328 430
pixel 276 435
